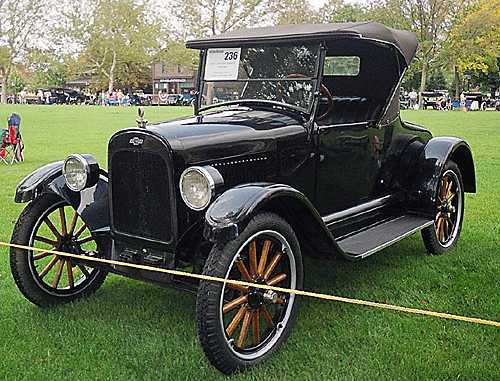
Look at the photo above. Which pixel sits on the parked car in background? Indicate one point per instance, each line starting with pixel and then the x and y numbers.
pixel 435 99
pixel 312 158
pixel 473 100
pixel 490 103
pixel 140 99
pixel 174 100
pixel 404 100
pixel 188 99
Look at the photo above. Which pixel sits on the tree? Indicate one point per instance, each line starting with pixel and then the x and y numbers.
pixel 474 42
pixel 437 81
pixel 431 20
pixel 47 68
pixel 116 39
pixel 16 82
pixel 201 18
pixel 21 23
pixel 292 12
pixel 339 11
pixel 176 53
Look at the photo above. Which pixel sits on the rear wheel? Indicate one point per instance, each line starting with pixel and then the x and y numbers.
pixel 48 222
pixel 445 232
pixel 241 326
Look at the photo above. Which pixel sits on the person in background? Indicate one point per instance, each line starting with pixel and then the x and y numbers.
pixel 46 95
pixel 119 97
pixel 22 96
pixel 104 99
pixel 39 95
pixel 413 98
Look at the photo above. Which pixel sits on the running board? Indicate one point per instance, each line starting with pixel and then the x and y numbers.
pixel 378 237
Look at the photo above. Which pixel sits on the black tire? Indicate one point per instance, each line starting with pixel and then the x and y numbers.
pixel 436 242
pixel 22 262
pixel 223 352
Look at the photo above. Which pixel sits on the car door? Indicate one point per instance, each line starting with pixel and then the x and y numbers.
pixel 349 158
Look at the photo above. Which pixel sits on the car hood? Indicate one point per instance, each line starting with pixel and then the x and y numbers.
pixel 226 134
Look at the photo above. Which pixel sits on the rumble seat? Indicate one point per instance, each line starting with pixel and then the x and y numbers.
pixel 350 109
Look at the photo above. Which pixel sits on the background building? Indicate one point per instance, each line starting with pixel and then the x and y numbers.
pixel 172 78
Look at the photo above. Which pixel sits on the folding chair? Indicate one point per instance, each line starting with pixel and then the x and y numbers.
pixel 11 150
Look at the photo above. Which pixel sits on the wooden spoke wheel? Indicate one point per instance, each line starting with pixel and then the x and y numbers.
pixel 44 278
pixel 61 229
pixel 445 231
pixel 449 202
pixel 252 316
pixel 250 323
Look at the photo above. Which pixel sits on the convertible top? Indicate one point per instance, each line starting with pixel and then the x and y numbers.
pixel 404 41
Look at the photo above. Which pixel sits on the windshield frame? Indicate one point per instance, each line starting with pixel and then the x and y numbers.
pixel 248 101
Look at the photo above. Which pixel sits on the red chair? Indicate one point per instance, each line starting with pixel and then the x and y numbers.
pixel 12 149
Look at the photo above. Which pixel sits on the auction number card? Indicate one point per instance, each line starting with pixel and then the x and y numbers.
pixel 222 64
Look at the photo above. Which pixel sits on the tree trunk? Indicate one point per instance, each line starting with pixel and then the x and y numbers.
pixel 5 80
pixel 111 83
pixel 210 93
pixel 423 80
pixel 457 82
pixel 4 90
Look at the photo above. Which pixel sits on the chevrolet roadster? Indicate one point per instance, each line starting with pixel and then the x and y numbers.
pixel 296 148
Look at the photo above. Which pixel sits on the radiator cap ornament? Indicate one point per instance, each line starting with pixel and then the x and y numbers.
pixel 141 122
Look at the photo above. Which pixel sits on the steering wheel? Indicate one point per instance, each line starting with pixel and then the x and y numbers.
pixel 323 91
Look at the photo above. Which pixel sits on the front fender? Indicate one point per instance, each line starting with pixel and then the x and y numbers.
pixel 231 212
pixel 92 203
pixel 430 166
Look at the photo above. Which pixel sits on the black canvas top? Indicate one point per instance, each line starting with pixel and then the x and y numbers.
pixel 404 41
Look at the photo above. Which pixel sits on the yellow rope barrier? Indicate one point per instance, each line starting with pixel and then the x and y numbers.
pixel 316 295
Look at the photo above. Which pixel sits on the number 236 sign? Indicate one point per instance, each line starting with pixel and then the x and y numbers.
pixel 222 64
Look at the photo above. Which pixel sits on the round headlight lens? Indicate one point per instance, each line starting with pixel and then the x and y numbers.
pixel 75 171
pixel 196 186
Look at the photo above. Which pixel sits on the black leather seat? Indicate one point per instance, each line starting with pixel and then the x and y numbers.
pixel 350 109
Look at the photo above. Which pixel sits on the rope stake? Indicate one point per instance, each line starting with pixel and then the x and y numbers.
pixel 316 295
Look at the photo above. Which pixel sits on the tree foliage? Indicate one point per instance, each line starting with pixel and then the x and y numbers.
pixel 21 24
pixel 201 18
pixel 475 39
pixel 48 69
pixel 116 39
pixel 431 20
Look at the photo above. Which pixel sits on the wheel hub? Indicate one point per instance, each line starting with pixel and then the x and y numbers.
pixel 69 244
pixel 255 299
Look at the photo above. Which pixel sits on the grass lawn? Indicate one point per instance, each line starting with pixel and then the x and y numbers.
pixel 134 330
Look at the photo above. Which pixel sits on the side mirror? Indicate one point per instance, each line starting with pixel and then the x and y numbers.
pixel 141 122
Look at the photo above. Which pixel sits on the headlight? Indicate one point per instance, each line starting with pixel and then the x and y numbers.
pixel 80 172
pixel 197 186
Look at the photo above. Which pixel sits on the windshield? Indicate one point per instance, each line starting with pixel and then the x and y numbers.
pixel 285 74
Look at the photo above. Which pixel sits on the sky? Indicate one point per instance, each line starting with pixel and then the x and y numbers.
pixel 318 3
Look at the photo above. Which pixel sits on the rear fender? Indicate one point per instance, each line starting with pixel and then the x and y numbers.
pixel 92 203
pixel 231 212
pixel 430 167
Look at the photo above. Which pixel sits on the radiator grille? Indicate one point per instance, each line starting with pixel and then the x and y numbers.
pixel 140 195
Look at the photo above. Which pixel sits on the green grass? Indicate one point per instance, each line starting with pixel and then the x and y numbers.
pixel 134 330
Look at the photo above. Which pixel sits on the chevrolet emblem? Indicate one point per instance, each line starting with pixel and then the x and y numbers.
pixel 136 141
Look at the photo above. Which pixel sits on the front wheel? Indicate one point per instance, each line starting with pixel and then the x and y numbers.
pixel 45 279
pixel 241 326
pixel 445 232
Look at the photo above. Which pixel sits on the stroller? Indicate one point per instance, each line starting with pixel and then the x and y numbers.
pixel 11 150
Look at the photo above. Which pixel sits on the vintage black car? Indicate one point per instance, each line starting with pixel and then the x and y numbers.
pixel 435 99
pixel 312 159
